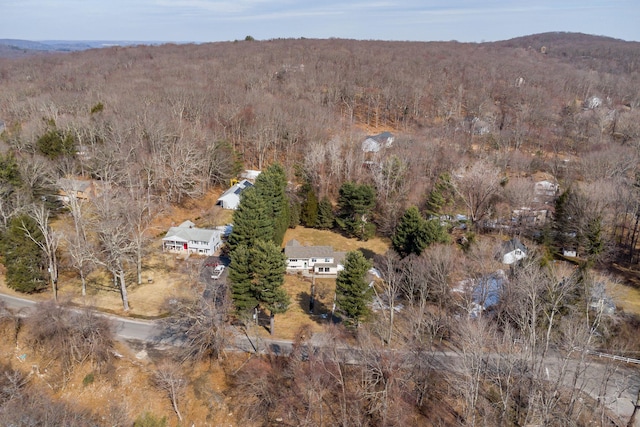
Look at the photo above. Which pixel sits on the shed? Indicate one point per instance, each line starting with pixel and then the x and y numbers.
pixel 230 199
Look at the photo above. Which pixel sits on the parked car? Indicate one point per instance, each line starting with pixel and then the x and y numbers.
pixel 217 272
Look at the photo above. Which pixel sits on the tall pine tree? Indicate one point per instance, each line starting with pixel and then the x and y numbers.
pixel 271 185
pixel 268 266
pixel 414 233
pixel 309 208
pixel 356 203
pixel 241 278
pixel 251 222
pixel 441 195
pixel 325 219
pixel 22 257
pixel 353 294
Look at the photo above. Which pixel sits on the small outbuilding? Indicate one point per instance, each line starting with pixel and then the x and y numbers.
pixel 230 199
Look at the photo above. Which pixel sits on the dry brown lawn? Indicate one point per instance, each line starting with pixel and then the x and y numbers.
pixel 297 316
pixel 310 237
pixel 299 288
pixel 172 276
pixel 627 293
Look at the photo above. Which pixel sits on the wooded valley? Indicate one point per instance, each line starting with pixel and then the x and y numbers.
pixel 532 142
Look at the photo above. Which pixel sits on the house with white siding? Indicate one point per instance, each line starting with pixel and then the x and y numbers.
pixel 187 238
pixel 316 259
pixel 230 199
pixel 512 251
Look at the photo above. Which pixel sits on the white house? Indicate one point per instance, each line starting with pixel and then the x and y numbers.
pixel 319 259
pixel 187 238
pixel 230 199
pixel 250 174
pixel 545 188
pixel 374 143
pixel 512 251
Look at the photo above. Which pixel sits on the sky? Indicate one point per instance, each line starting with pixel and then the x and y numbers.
pixel 222 20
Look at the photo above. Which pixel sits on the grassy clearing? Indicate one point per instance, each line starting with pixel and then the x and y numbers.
pixel 299 288
pixel 298 315
pixel 313 237
pixel 167 276
pixel 627 294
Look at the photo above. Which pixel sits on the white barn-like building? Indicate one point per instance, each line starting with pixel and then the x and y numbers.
pixel 230 199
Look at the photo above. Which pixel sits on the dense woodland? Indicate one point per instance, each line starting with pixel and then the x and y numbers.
pixel 475 126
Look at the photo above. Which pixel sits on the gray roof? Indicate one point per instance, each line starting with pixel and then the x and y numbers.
pixel 237 188
pixel 381 137
pixel 189 234
pixel 512 245
pixel 74 184
pixel 294 249
pixel 374 143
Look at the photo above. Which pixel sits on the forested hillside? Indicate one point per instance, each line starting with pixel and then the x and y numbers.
pixel 535 138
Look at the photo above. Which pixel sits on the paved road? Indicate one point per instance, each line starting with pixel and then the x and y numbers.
pixel 619 392
pixel 129 329
pixel 16 303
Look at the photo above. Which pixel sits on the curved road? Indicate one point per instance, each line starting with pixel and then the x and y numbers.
pixel 125 328
pixel 622 389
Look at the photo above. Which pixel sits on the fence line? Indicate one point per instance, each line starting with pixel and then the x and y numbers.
pixel 614 357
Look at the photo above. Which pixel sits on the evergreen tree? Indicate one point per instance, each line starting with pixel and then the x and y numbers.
pixel 436 233
pixel 356 202
pixel 594 241
pixel 309 208
pixel 326 218
pixel 565 229
pixel 55 143
pixel 22 257
pixel 440 196
pixel 294 214
pixel 9 171
pixel 10 182
pixel 353 294
pixel 241 279
pixel 414 233
pixel 250 221
pixel 411 234
pixel 268 266
pixel 271 185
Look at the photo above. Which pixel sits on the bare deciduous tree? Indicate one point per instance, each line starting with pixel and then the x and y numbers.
pixel 70 337
pixel 391 286
pixel 201 325
pixel 169 378
pixel 48 244
pixel 477 185
pixel 115 245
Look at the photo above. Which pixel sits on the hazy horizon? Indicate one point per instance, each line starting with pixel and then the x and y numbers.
pixel 198 21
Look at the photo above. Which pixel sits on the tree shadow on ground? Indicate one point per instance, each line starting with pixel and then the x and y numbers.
pixel 319 312
pixel 95 285
pixel 368 253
